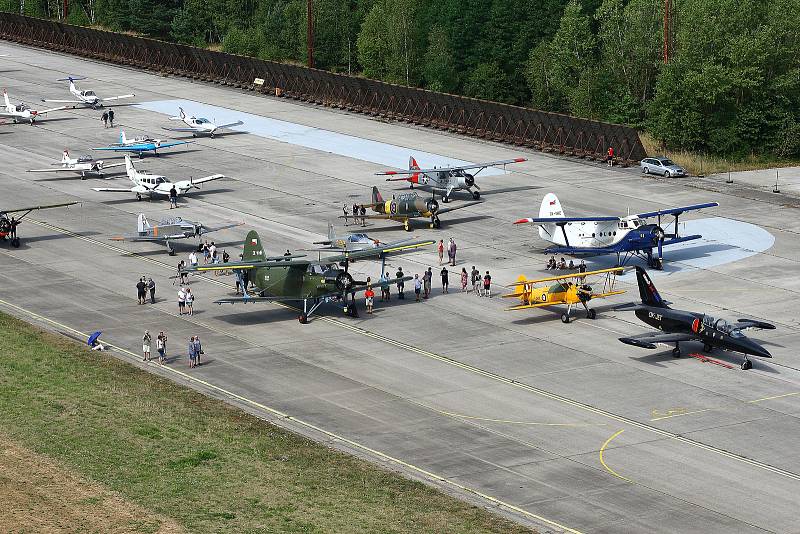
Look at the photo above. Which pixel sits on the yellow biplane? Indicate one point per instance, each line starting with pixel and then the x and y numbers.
pixel 569 289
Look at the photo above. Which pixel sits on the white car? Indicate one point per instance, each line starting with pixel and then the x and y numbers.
pixel 663 166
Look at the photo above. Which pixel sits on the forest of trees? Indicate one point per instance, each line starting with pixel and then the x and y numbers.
pixel 731 87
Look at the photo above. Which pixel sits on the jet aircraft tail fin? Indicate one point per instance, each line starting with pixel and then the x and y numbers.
pixel 143 225
pixel 376 196
pixel 648 291
pixel 253 251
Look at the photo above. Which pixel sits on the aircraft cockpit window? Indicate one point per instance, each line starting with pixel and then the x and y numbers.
pixel 355 238
pixel 159 180
pixel 316 268
pixel 721 325
pixel 88 93
pixel 85 159
pixel 202 120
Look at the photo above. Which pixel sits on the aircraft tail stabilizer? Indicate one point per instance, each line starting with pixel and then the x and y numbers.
pixel 413 166
pixel 647 290
pixel 253 250
pixel 8 104
pixel 331 233
pixel 376 196
pixel 122 137
pixel 551 207
pixel 143 225
pixel 65 157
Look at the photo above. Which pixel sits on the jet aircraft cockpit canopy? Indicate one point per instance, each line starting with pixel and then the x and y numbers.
pixel 357 238
pixel 722 326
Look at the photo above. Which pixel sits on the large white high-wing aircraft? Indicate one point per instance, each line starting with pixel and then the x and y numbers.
pixel 154 185
pixel 88 97
pixel 199 125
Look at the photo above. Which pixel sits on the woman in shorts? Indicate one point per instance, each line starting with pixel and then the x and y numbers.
pixel 146 339
pixel 369 296
pixel 161 346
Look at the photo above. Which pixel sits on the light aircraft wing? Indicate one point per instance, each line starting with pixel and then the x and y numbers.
pixel 45 111
pixel 59 169
pixel 457 168
pixel 569 276
pixel 116 190
pixel 255 299
pixel 111 165
pixel 536 305
pixel 184 129
pixel 677 211
pixel 270 261
pixel 186 184
pixel 209 229
pixel 42 207
pixel 648 340
pixel 457 207
pixel 63 101
pixel 118 97
pixel 229 125
pixel 136 237
pixel 377 251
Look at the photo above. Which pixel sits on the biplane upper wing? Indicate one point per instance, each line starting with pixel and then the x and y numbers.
pixel 678 210
pixel 568 276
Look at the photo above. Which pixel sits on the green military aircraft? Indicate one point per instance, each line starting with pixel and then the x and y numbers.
pixel 313 282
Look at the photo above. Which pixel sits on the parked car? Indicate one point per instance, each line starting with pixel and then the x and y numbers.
pixel 663 166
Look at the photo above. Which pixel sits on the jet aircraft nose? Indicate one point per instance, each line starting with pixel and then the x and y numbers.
pixel 751 347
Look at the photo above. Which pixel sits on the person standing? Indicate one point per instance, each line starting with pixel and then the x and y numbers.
pixel 198 350
pixel 464 279
pixel 192 354
pixel 610 156
pixel 451 252
pixel 161 346
pixel 104 118
pixel 344 210
pixel 140 290
pixel 445 279
pixel 110 118
pixel 193 261
pixel 417 285
pixel 476 281
pixel 355 214
pixel 427 278
pixel 146 339
pixel 487 285
pixel 441 250
pixel 363 215
pixel 189 301
pixel 400 284
pixel 151 287
pixel 369 297
pixel 181 300
pixel 173 197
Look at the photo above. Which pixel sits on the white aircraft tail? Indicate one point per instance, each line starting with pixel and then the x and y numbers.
pixel 130 169
pixel 550 208
pixel 413 166
pixel 331 233
pixel 122 138
pixel 143 225
pixel 65 157
pixel 8 104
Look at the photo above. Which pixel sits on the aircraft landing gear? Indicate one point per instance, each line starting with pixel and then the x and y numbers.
pixel 406 226
pixel 476 195
pixel 15 242
pixel 565 318
pixel 707 347
pixel 436 223
pixel 747 364
pixel 445 199
pixel 591 314
pixel 303 318
pixel 676 352
pixel 138 196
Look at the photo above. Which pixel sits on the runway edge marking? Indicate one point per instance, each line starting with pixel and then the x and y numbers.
pixel 282 415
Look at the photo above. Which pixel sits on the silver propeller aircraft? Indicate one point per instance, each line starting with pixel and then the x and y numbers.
pixel 87 98
pixel 82 165
pixel 447 179
pixel 170 229
pixel 22 113
pixel 198 125
pixel 146 183
pixel 353 241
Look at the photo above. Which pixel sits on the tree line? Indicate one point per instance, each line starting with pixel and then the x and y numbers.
pixel 731 85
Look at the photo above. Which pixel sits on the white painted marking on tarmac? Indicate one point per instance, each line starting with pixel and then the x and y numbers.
pixel 391 156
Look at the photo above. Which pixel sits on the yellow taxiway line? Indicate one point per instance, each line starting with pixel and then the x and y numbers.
pixel 602 460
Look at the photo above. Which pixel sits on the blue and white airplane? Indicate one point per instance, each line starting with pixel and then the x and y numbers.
pixel 624 236
pixel 140 145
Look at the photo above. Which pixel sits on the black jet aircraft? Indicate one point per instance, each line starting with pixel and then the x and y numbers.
pixel 311 282
pixel 677 325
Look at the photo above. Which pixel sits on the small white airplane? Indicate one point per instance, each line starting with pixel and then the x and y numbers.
pixel 446 179
pixel 624 236
pixel 87 98
pixel 21 112
pixel 199 125
pixel 153 185
pixel 82 165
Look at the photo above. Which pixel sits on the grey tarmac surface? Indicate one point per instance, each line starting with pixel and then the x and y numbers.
pixel 559 426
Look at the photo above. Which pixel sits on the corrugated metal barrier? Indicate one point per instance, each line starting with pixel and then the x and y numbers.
pixel 513 125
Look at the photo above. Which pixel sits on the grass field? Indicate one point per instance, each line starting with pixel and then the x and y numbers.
pixel 702 164
pixel 90 443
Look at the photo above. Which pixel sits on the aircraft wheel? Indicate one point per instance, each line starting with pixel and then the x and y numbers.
pixel 437 223
pixel 445 199
pixel 592 314
pixel 676 352
pixel 406 226
pixel 138 196
pixel 747 364
pixel 171 252
pixel 303 318
pixel 15 242
pixel 564 318
pixel 707 347
pixel 194 135
pixel 476 195
pixel 659 264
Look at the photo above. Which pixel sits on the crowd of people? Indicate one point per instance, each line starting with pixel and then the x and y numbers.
pixel 562 265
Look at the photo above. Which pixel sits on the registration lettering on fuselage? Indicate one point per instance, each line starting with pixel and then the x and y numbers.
pixel 656 316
